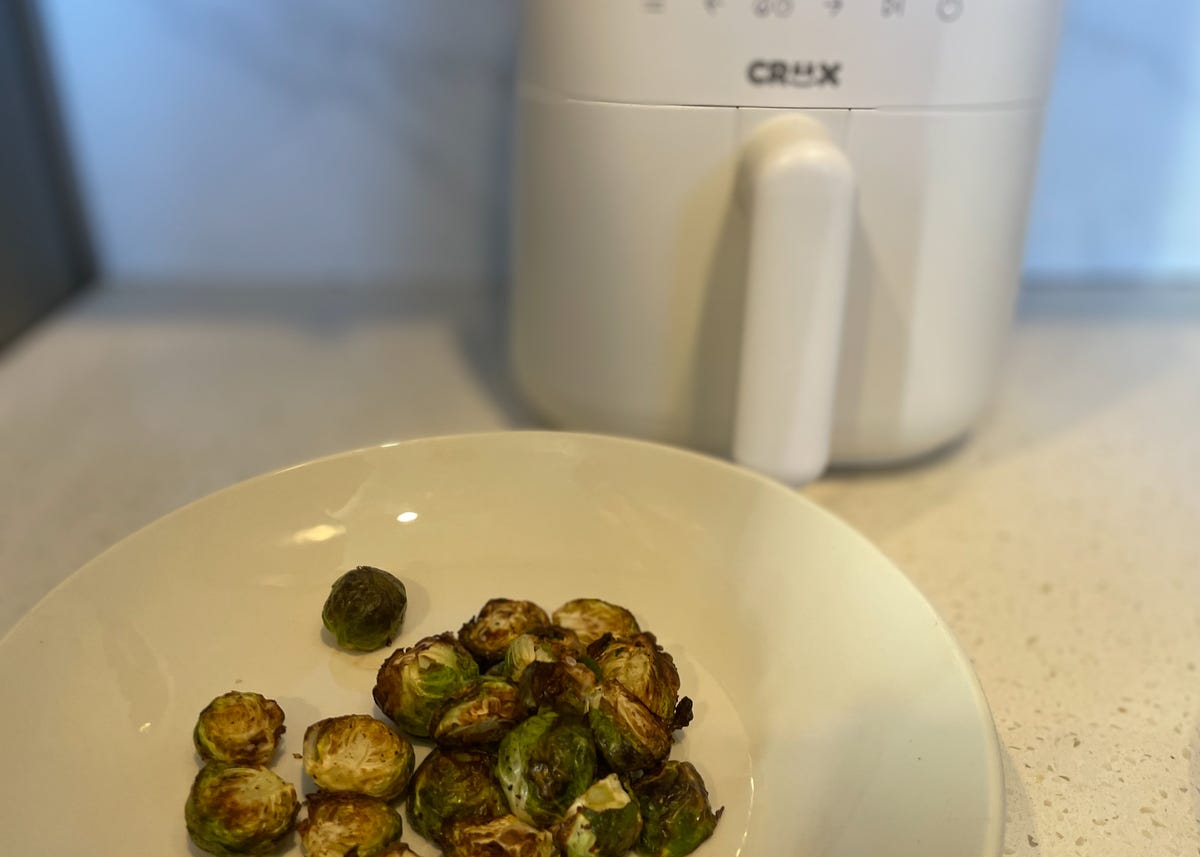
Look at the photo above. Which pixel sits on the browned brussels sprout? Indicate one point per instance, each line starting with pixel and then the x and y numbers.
pixel 507 836
pixel 628 735
pixel 236 809
pixel 591 619
pixel 239 728
pixel 604 822
pixel 544 765
pixel 644 668
pixel 340 823
pixel 414 684
pixel 676 815
pixel 501 621
pixel 451 786
pixel 357 753
pixel 481 713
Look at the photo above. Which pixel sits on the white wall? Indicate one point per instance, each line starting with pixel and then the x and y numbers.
pixel 288 141
pixel 365 141
pixel 1119 190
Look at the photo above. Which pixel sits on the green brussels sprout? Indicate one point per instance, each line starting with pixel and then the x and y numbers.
pixel 452 786
pixel 644 668
pixel 236 809
pixel 239 728
pixel 604 822
pixel 501 621
pixel 629 736
pixel 676 816
pixel 566 686
pixel 545 645
pixel 365 609
pixel 592 618
pixel 481 713
pixel 357 753
pixel 337 824
pixel 544 765
pixel 415 683
pixel 507 836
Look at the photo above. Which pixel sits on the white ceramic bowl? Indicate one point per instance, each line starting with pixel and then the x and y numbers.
pixel 835 715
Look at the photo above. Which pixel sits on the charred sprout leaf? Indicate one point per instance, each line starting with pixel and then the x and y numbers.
pixel 365 609
pixel 398 849
pixel 544 764
pixel 452 786
pixel 628 735
pixel 501 621
pixel 234 809
pixel 545 645
pixel 645 669
pixel 504 837
pixel 357 753
pixel 481 713
pixel 604 822
pixel 676 814
pixel 337 824
pixel 239 728
pixel 566 686
pixel 415 683
pixel 592 618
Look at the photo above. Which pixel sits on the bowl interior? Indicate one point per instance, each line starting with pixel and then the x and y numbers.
pixel 834 713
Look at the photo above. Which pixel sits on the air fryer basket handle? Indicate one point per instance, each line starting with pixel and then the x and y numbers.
pixel 799 190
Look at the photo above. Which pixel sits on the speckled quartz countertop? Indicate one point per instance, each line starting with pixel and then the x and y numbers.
pixel 1061 542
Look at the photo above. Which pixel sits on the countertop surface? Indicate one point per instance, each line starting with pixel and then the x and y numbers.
pixel 1061 541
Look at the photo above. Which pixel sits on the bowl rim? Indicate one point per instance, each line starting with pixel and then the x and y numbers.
pixel 994 831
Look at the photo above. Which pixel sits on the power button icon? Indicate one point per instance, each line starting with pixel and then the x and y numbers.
pixel 950 11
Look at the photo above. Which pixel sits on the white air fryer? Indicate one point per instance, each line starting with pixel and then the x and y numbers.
pixel 788 231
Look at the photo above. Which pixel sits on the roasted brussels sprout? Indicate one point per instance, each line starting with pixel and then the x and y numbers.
pixel 336 824
pixel 545 645
pixel 592 618
pixel 481 713
pixel 236 809
pixel 357 753
pixel 566 686
pixel 501 621
pixel 676 816
pixel 398 849
pixel 365 609
pixel 507 836
pixel 239 728
pixel 604 822
pixel 415 683
pixel 452 786
pixel 628 735
pixel 544 765
pixel 644 668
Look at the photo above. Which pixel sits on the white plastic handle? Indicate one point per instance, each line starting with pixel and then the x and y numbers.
pixel 799 189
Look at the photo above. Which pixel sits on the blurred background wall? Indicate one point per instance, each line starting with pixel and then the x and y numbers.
pixel 285 142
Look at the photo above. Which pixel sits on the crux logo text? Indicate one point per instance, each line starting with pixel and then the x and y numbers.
pixel 802 75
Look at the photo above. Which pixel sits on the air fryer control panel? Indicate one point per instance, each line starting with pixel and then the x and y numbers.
pixel 792 53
